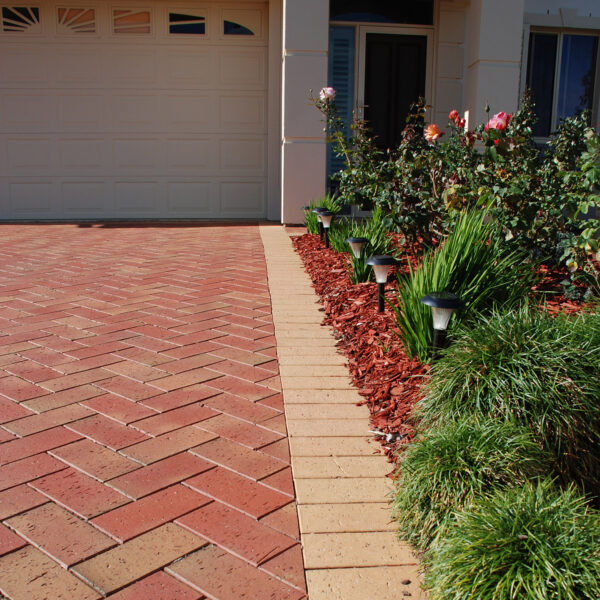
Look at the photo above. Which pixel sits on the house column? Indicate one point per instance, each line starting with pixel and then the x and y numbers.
pixel 494 41
pixel 303 148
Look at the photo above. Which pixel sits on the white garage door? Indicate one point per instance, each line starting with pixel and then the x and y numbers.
pixel 133 110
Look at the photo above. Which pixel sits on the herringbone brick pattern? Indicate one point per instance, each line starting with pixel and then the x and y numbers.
pixel 143 449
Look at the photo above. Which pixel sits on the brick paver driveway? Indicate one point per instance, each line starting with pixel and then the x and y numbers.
pixel 141 417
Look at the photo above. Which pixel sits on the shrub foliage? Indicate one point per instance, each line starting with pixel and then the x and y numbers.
pixel 539 370
pixel 445 469
pixel 532 543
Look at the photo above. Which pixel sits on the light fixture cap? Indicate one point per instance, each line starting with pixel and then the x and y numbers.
pixel 319 209
pixel 442 300
pixel 381 259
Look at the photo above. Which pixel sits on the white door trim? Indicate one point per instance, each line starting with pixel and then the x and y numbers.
pixel 362 31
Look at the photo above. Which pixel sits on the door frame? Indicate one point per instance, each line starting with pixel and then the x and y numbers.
pixel 361 44
pixel 360 71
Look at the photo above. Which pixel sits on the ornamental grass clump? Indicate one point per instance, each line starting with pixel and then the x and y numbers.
pixel 533 543
pixel 471 262
pixel 525 365
pixel 445 469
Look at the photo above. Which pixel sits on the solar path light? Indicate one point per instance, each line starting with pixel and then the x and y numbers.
pixel 357 245
pixel 318 212
pixel 443 305
pixel 326 219
pixel 381 266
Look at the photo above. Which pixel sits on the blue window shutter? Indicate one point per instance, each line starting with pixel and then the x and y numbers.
pixel 341 78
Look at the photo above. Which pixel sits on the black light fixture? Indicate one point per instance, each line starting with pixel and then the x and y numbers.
pixel 443 305
pixel 381 266
pixel 326 219
pixel 356 245
pixel 318 212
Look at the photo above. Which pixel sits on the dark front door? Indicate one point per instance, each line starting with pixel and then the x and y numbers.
pixel 395 72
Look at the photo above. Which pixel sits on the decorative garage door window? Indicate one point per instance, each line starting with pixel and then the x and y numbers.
pixel 231 28
pixel 76 20
pixel 186 23
pixel 21 19
pixel 131 21
pixel 242 22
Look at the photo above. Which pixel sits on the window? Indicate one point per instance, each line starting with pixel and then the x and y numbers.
pixel 186 23
pixel 561 74
pixel 232 28
pixel 76 20
pixel 21 18
pixel 131 21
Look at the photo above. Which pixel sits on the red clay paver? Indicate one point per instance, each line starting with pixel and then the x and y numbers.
pixel 240 459
pixel 141 418
pixel 221 525
pixel 238 492
pixel 82 495
pixel 59 533
pixel 18 499
pixel 204 570
pixel 9 541
pixel 138 517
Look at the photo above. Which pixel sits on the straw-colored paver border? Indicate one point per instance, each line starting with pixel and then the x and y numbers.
pixel 351 551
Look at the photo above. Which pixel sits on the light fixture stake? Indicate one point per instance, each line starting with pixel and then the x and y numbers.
pixel 381 265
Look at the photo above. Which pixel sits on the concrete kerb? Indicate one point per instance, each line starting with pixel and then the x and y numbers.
pixel 349 545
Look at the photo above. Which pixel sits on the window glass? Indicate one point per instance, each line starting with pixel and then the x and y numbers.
pixel 418 12
pixel 231 28
pixel 186 24
pixel 540 78
pixel 570 58
pixel 577 74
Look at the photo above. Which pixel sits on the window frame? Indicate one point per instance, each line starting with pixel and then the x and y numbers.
pixel 560 32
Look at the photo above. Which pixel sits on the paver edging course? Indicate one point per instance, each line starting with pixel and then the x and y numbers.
pixel 341 562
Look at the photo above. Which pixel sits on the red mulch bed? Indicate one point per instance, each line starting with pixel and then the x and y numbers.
pixel 387 379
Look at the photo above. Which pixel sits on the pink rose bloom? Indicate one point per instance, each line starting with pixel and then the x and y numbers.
pixel 327 94
pixel 432 132
pixel 453 115
pixel 499 121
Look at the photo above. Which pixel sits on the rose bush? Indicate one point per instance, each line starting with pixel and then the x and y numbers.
pixel 543 199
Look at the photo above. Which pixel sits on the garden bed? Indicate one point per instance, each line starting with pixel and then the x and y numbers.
pixel 387 379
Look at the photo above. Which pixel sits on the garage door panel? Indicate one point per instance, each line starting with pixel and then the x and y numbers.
pixel 191 68
pixel 136 198
pixel 191 112
pixel 76 68
pixel 134 155
pixel 152 125
pixel 25 67
pixel 28 113
pixel 30 153
pixel 80 111
pixel 242 155
pixel 31 199
pixel 245 66
pixel 197 155
pixel 129 68
pixel 242 113
pixel 187 198
pixel 135 112
pixel 242 198
pixel 85 198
